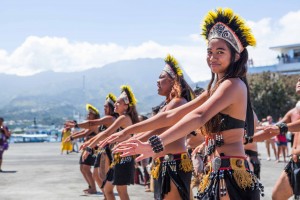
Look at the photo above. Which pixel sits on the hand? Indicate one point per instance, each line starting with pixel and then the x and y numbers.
pixel 84 145
pixel 272 129
pixel 84 156
pixel 70 124
pixel 134 147
pixel 198 149
pixel 68 139
pixel 116 137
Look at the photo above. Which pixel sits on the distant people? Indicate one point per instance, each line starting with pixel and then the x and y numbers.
pixel 4 136
pixel 279 58
pixel 250 62
pixel 270 141
pixel 66 146
pixel 75 141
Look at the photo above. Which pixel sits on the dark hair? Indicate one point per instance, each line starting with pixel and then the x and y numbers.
pixel 112 110
pixel 143 117
pixel 198 90
pixel 181 89
pixel 236 69
pixel 133 114
pixel 155 110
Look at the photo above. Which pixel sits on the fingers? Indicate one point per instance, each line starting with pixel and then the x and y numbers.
pixel 195 151
pixel 125 146
pixel 140 158
pixel 103 143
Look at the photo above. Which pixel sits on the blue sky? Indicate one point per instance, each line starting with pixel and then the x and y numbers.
pixel 33 32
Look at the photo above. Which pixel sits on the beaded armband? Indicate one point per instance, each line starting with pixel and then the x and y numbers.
pixel 156 144
pixel 283 128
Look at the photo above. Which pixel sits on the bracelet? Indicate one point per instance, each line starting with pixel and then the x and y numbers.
pixel 248 139
pixel 76 124
pixel 89 150
pixel 283 128
pixel 156 144
pixel 71 138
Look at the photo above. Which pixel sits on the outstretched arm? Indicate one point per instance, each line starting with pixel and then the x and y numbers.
pixel 122 121
pixel 106 120
pixel 166 119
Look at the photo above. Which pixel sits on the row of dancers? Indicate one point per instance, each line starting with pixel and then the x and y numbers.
pixel 221 121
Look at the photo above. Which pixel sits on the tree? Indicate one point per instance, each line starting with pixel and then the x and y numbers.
pixel 272 93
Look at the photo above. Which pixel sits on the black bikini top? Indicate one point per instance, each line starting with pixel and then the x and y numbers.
pixel 102 128
pixel 227 122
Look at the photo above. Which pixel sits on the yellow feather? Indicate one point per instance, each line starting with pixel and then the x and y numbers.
pixel 112 97
pixel 90 107
pixel 228 14
pixel 132 98
pixel 174 62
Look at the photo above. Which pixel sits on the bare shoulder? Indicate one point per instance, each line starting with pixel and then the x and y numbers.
pixel 176 102
pixel 233 85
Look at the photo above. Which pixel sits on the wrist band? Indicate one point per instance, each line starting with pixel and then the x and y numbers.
pixel 283 128
pixel 156 144
pixel 71 138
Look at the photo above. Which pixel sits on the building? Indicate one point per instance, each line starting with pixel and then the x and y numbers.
pixel 288 60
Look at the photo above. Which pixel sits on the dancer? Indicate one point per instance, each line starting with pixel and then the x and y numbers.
pixel 222 117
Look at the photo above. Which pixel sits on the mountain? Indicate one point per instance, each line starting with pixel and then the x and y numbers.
pixel 50 95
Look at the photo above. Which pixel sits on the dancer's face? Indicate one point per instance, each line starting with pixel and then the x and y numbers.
pixel 120 106
pixel 91 116
pixel 164 84
pixel 106 109
pixel 218 56
pixel 298 86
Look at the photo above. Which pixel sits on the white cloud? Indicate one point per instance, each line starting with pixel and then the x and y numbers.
pixel 38 54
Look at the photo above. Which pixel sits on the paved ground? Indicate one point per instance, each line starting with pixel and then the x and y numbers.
pixel 37 171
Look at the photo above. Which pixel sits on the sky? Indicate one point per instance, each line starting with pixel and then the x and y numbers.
pixel 65 35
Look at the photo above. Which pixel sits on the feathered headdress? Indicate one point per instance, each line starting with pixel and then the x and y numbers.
pixel 172 68
pixel 127 95
pixel 111 99
pixel 92 109
pixel 224 24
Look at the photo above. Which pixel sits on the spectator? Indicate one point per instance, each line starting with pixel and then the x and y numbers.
pixel 4 136
pixel 270 141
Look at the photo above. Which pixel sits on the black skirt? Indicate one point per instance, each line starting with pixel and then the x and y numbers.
pixel 222 181
pixel 170 169
pixel 90 160
pixel 97 159
pixel 292 170
pixel 121 171
pixel 254 161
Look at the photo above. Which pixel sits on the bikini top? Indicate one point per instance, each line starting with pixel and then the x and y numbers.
pixel 227 122
pixel 102 128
